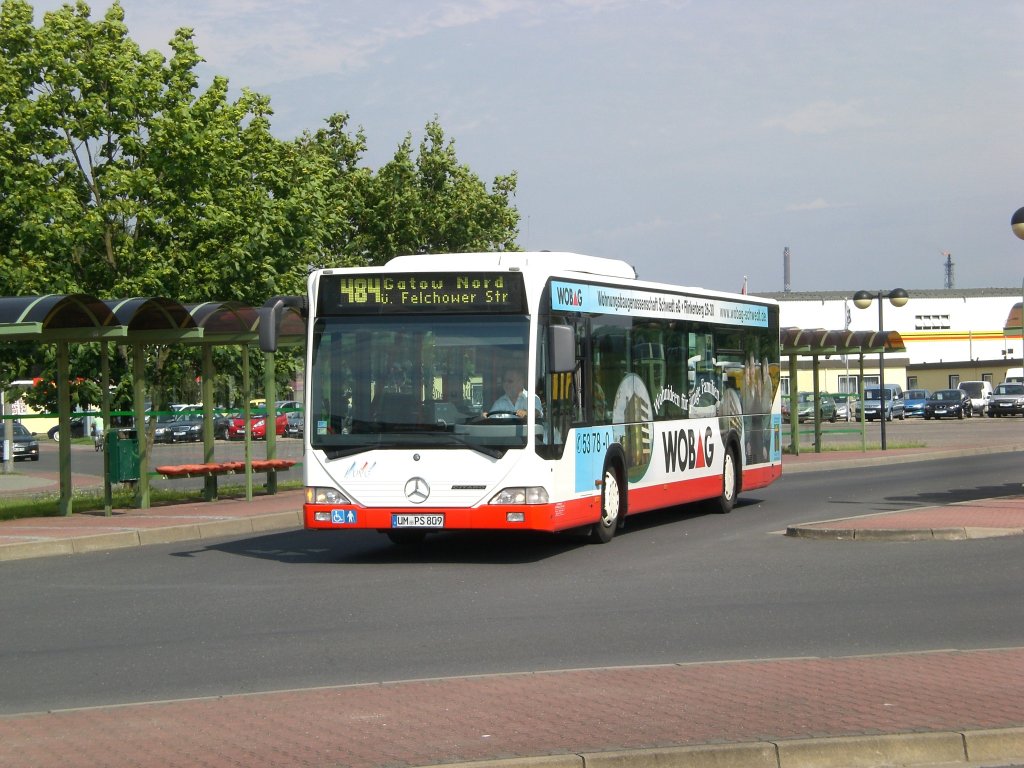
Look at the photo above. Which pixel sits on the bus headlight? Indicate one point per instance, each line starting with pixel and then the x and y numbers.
pixel 530 495
pixel 315 495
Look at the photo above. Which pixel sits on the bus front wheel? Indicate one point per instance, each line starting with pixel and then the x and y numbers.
pixel 725 502
pixel 611 507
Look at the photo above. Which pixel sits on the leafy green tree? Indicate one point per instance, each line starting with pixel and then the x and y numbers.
pixel 432 203
pixel 123 178
pixel 120 177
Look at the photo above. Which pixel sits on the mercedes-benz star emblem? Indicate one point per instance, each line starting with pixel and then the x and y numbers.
pixel 417 490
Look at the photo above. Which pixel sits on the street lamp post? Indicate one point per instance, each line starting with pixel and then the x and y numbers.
pixel 1017 225
pixel 862 300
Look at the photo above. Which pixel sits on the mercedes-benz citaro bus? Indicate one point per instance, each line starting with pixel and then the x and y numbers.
pixel 530 392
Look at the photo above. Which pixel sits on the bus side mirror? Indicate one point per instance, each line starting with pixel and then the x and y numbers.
pixel 270 318
pixel 561 349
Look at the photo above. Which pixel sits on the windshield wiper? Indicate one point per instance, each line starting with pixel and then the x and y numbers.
pixel 340 452
pixel 486 450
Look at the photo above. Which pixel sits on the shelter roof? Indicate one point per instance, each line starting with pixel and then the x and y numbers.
pixel 818 341
pixel 155 319
pixel 1015 319
pixel 158 320
pixel 73 316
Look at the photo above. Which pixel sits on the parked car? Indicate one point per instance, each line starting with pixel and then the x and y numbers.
pixel 914 400
pixel 846 405
pixel 222 424
pixel 295 424
pixel 893 403
pixel 979 392
pixel 1006 400
pixel 805 406
pixel 26 445
pixel 77 429
pixel 162 430
pixel 948 403
pixel 236 431
pixel 187 428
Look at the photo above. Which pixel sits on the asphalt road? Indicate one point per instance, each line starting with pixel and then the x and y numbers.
pixel 302 609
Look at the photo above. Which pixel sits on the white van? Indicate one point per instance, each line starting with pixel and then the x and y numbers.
pixel 979 392
pixel 1014 376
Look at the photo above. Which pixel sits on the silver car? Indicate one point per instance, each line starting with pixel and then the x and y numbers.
pixel 1006 400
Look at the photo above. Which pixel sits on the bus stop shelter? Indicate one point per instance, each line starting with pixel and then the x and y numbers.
pixel 816 343
pixel 63 320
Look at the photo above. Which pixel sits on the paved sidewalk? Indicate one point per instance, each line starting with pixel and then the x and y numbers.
pixel 944 707
pixel 928 708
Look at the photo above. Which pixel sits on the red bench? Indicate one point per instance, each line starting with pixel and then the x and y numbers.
pixel 172 471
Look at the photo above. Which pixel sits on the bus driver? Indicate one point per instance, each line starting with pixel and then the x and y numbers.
pixel 515 398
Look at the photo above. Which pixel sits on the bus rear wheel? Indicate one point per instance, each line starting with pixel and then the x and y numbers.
pixel 727 500
pixel 611 507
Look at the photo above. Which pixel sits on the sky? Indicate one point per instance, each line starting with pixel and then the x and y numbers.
pixel 694 139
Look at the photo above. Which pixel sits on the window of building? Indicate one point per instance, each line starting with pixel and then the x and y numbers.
pixel 954 380
pixel 931 322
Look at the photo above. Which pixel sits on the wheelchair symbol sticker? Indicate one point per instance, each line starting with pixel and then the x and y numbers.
pixel 343 516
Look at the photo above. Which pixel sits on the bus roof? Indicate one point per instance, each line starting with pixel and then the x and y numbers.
pixel 551 263
pixel 564 261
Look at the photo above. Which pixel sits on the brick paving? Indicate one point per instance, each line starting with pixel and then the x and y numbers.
pixel 983 518
pixel 428 722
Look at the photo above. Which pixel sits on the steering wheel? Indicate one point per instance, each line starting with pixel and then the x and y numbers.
pixel 497 416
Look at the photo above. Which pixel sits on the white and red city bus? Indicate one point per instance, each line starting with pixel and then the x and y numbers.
pixel 530 391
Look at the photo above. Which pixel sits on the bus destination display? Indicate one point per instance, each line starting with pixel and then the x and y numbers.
pixel 426 292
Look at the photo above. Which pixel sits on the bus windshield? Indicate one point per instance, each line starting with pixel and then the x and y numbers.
pixel 419 382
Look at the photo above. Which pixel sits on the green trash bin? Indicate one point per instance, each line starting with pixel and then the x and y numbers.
pixel 123 451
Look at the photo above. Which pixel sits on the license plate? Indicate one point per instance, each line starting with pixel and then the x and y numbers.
pixel 940 410
pixel 417 521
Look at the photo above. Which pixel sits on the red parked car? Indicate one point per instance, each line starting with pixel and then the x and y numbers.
pixel 236 428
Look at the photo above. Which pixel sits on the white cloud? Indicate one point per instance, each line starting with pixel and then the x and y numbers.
pixel 823 117
pixel 814 205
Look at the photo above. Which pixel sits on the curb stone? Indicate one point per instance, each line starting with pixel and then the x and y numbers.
pixel 911 749
pixel 806 531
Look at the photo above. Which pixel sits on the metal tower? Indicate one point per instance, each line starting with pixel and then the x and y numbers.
pixel 949 270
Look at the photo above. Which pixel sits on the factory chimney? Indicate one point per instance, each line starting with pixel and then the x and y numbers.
pixel 785 270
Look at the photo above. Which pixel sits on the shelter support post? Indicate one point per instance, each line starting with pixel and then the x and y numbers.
pixel 270 392
pixel 64 426
pixel 206 372
pixel 108 496
pixel 141 430
pixel 816 368
pixel 860 410
pixel 794 418
pixel 247 416
pixel 7 435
